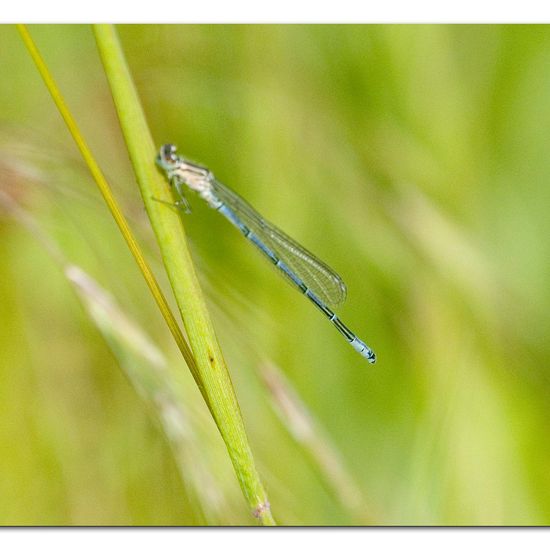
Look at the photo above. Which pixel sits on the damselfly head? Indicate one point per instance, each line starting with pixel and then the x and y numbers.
pixel 167 158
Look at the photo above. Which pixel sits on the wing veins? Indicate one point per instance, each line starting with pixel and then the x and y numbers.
pixel 318 276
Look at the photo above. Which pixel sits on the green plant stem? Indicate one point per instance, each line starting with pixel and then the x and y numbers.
pixel 213 375
pixel 108 196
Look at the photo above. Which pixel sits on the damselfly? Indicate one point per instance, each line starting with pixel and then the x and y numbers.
pixel 310 275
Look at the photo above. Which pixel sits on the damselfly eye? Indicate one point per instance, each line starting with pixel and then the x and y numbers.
pixel 168 153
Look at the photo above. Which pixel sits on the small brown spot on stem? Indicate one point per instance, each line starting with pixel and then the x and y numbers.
pixel 261 509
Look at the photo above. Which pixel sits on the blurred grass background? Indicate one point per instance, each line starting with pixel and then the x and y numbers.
pixel 412 159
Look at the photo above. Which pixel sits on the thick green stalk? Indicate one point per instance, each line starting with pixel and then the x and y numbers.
pixel 213 375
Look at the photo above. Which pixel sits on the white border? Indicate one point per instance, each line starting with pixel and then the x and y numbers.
pixel 273 539
pixel 280 11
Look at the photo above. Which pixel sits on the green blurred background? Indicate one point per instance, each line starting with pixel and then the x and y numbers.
pixel 413 159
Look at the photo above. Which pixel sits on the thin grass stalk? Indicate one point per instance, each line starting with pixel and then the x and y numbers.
pixel 317 446
pixel 108 196
pixel 216 388
pixel 147 370
pixel 168 227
